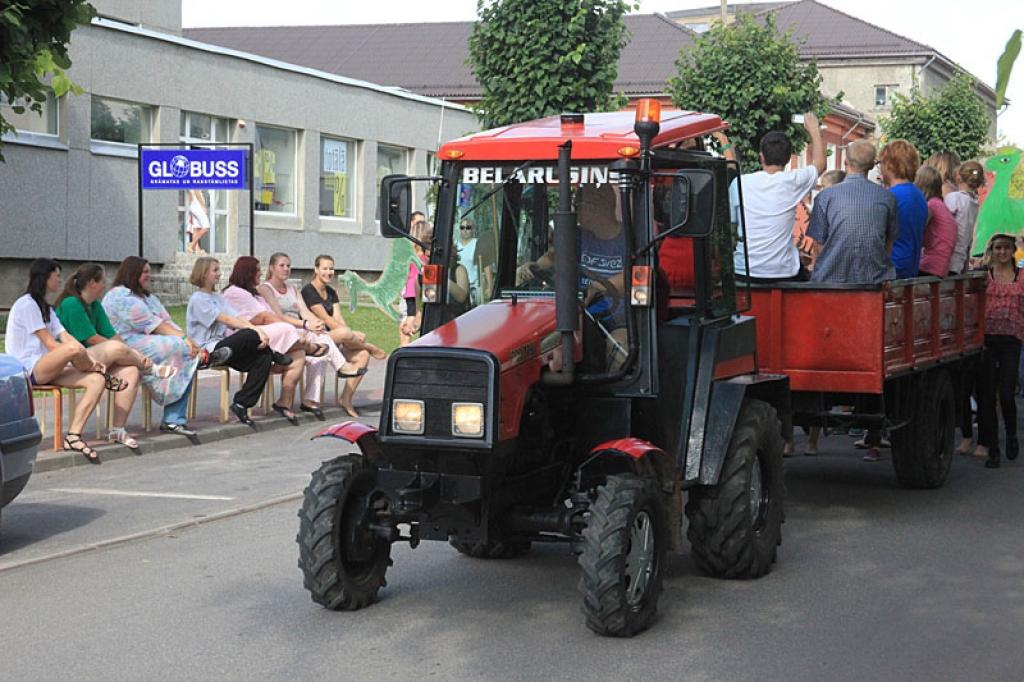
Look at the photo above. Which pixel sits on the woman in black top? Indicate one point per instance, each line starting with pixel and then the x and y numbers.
pixel 322 301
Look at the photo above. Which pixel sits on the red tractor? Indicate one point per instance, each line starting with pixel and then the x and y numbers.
pixel 582 374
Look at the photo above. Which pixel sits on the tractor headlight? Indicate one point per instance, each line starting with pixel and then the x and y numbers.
pixel 468 420
pixel 407 416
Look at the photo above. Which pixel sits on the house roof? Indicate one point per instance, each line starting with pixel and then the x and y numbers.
pixel 430 58
pixel 823 32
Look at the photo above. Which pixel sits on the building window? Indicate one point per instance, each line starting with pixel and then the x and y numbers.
pixel 701 27
pixel 29 121
pixel 390 161
pixel 115 121
pixel 882 95
pixel 274 169
pixel 337 178
pixel 197 127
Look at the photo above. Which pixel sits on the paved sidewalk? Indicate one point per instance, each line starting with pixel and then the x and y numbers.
pixel 207 421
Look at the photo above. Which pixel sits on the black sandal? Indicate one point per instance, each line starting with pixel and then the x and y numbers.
pixel 115 384
pixel 358 373
pixel 315 411
pixel 321 350
pixel 74 443
pixel 292 418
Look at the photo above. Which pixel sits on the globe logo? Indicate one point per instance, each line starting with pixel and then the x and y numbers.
pixel 179 166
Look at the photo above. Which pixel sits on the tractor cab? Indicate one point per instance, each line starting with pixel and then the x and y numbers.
pixel 583 367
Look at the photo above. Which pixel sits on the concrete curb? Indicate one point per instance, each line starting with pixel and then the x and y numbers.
pixel 162 442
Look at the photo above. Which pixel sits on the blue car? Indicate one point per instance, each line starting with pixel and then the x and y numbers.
pixel 19 430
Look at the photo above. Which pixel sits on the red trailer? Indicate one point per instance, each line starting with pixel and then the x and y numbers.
pixel 899 352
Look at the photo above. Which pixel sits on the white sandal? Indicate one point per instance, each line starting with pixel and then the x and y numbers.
pixel 120 435
pixel 162 371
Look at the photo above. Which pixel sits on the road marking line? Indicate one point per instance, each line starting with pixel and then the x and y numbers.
pixel 148 534
pixel 134 493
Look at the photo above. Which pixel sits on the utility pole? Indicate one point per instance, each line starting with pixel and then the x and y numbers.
pixel 725 12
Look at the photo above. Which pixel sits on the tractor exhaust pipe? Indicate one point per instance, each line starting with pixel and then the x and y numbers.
pixel 566 272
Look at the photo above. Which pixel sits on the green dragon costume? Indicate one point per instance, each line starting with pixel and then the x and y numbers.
pixel 1003 209
pixel 386 291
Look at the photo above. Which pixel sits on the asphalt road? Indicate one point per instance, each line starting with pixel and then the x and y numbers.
pixel 873 582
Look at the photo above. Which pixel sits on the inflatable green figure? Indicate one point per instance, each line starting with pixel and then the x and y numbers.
pixel 386 291
pixel 1003 209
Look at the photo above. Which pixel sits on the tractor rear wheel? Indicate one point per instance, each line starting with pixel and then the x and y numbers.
pixel 922 450
pixel 736 526
pixel 499 549
pixel 623 553
pixel 343 562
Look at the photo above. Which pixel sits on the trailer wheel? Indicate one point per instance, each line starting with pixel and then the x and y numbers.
pixel 736 527
pixel 500 549
pixel 922 451
pixel 343 563
pixel 623 552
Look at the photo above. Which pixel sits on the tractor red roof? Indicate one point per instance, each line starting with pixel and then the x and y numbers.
pixel 599 137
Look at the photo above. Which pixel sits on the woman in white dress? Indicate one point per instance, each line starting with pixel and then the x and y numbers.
pixel 197 220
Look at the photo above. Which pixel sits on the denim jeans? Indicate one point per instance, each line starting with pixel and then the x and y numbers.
pixel 174 413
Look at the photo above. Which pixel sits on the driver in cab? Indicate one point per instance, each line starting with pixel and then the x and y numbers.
pixel 601 253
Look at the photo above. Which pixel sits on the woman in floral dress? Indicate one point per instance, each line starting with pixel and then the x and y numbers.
pixel 145 325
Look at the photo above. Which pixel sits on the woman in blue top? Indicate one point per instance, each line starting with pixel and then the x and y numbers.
pixel 899 162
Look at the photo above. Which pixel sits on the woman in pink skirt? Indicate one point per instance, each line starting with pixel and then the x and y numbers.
pixel 286 340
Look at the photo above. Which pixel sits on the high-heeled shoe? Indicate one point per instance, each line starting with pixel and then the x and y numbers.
pixel 283 411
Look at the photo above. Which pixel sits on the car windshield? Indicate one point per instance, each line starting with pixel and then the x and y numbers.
pixel 504 237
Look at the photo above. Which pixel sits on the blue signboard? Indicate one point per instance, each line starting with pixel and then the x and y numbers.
pixel 194 169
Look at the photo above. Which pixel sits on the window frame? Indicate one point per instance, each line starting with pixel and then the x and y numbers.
pixel 407 154
pixel 294 132
pixel 51 99
pixel 98 143
pixel 352 161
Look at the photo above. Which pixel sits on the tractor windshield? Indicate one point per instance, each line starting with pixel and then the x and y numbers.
pixel 504 236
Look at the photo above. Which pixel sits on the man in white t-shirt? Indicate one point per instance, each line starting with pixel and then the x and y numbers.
pixel 770 198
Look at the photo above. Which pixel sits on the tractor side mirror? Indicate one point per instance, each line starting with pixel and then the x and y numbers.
pixel 692 210
pixel 395 205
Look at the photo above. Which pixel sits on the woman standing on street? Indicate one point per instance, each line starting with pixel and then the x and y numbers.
pixel 1004 331
pixel 284 299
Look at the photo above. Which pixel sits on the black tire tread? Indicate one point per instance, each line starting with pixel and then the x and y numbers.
pixel 323 574
pixel 723 542
pixel 912 447
pixel 605 544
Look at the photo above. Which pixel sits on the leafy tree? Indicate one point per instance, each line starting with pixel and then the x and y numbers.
pixel 535 58
pixel 751 75
pixel 952 119
pixel 33 47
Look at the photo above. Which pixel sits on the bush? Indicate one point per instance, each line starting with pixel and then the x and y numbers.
pixel 752 76
pixel 952 119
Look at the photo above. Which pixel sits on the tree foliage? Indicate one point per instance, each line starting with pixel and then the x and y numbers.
pixel 536 58
pixel 952 119
pixel 33 48
pixel 751 75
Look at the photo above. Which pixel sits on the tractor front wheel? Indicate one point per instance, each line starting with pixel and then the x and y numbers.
pixel 343 562
pixel 623 554
pixel 736 526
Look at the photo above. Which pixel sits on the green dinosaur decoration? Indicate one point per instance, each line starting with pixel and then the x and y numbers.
pixel 386 291
pixel 1003 209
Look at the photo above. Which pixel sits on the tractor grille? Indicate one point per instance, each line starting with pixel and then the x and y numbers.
pixel 440 381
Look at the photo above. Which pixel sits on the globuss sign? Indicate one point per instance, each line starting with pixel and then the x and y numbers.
pixel 194 169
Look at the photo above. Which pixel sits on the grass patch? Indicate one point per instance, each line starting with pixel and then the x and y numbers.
pixel 377 326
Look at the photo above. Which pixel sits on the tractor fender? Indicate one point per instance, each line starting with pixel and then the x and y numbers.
pixel 727 398
pixel 363 435
pixel 645 458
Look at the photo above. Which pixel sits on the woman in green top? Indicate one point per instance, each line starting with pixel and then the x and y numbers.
pixel 82 315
